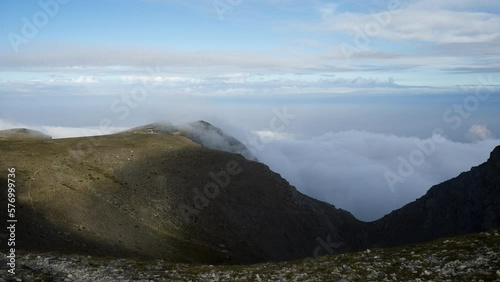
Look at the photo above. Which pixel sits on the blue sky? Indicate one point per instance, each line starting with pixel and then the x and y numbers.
pixel 238 47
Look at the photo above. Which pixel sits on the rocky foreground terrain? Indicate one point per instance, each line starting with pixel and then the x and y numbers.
pixel 469 258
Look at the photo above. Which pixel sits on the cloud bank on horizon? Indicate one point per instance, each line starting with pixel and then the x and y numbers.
pixel 353 169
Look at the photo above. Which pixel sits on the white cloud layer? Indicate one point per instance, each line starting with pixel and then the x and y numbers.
pixel 421 21
pixel 57 132
pixel 348 168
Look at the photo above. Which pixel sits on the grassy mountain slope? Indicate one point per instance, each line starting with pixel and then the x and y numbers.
pixel 159 195
pixel 137 194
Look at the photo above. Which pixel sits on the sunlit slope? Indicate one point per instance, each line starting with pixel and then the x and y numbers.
pixel 162 196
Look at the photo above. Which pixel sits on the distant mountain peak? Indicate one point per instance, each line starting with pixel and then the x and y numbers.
pixel 206 123
pixel 495 155
pixel 22 133
pixel 202 133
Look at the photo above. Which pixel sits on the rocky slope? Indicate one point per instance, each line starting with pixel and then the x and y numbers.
pixel 465 204
pixel 469 258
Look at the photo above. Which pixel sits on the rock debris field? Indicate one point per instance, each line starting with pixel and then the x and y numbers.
pixel 469 258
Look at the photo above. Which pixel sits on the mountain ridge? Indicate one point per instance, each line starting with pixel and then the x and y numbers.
pixel 22 133
pixel 467 203
pixel 151 192
pixel 203 133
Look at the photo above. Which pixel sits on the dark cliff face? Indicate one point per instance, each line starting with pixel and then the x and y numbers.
pixel 273 221
pixel 467 203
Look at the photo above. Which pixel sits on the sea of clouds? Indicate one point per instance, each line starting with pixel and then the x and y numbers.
pixel 366 159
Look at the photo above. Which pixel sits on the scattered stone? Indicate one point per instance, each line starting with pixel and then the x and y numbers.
pixel 437 261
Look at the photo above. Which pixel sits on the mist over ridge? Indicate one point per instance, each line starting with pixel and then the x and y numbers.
pixel 317 152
